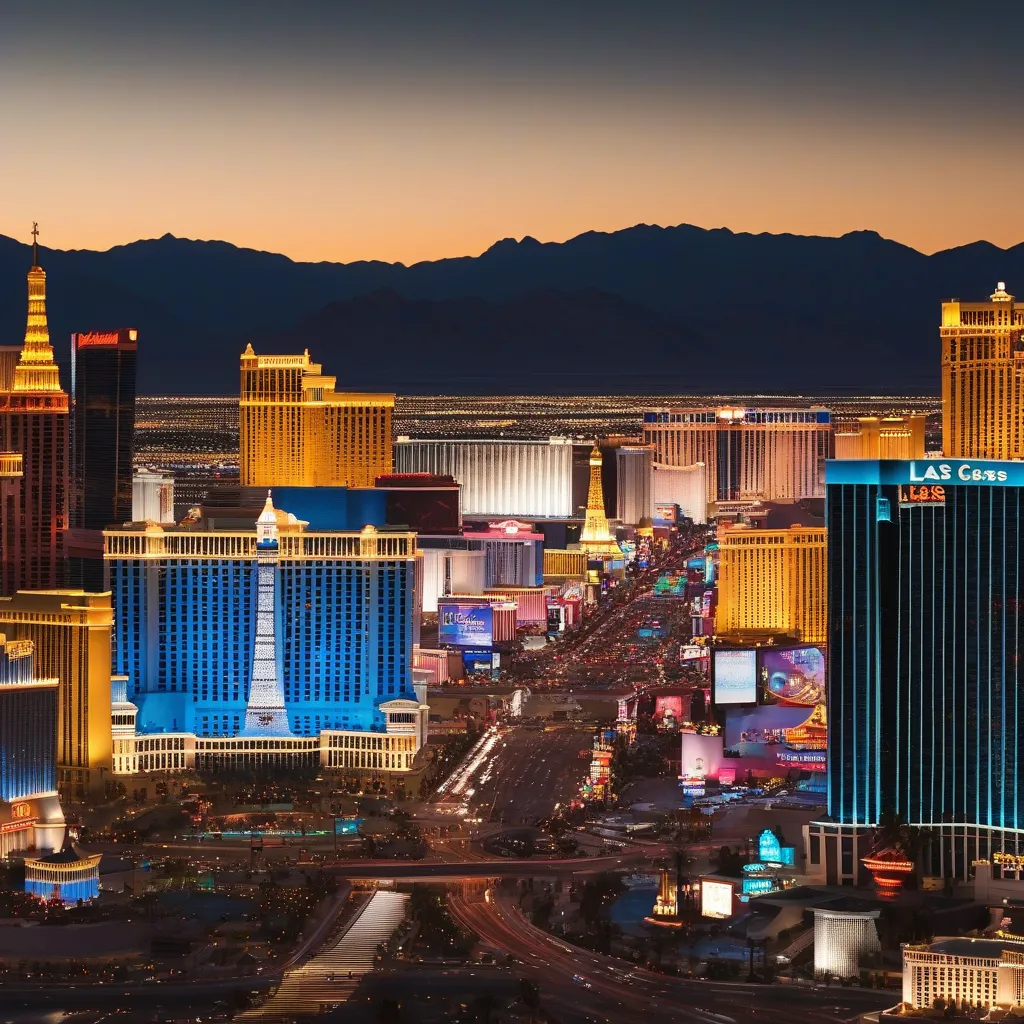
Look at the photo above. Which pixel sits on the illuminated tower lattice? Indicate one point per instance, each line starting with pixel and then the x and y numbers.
pixel 596 538
pixel 265 714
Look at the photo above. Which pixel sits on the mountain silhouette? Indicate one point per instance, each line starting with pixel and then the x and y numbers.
pixel 647 308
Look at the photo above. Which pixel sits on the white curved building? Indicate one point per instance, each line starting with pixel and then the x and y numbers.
pixel 525 479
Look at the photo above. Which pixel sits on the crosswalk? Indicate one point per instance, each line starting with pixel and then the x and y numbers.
pixel 332 975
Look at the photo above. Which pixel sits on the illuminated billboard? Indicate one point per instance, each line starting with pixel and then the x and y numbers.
pixel 792 675
pixel 465 625
pixel 701 755
pixel 668 711
pixel 735 677
pixel 715 898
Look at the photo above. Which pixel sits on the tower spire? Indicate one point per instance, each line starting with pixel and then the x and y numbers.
pixel 36 370
pixel 265 714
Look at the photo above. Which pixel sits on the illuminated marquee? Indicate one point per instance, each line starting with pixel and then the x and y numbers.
pixel 97 340
pixel 922 494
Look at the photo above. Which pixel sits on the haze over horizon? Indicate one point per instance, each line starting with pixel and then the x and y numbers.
pixel 396 132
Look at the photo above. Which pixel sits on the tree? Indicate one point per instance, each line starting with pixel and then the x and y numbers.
pixel 483 1006
pixel 529 995
pixel 389 1012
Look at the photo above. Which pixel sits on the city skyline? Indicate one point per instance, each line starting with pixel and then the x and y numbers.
pixel 413 134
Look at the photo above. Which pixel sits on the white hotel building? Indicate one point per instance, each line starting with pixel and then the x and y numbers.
pixel 982 972
pixel 506 479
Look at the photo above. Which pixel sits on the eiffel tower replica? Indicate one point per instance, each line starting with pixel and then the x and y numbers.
pixel 596 539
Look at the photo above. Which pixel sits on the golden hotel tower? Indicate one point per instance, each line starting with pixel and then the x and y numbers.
pixel 982 364
pixel 295 430
pixel 72 633
pixel 772 581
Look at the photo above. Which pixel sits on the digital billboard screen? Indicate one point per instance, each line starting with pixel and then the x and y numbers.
pixel 465 625
pixel 792 675
pixel 715 898
pixel 735 677
pixel 668 711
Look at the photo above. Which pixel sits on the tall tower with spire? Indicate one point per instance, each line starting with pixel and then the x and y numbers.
pixel 34 423
pixel 265 714
pixel 596 538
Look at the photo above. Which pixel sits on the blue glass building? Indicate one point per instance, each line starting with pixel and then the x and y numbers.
pixel 926 637
pixel 185 613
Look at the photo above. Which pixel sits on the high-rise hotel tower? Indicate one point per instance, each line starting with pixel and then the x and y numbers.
pixel 926 661
pixel 768 454
pixel 983 378
pixel 34 423
pixel 212 626
pixel 295 430
pixel 102 446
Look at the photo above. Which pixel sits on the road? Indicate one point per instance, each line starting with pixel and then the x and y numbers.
pixel 610 989
pixel 531 771
pixel 494 867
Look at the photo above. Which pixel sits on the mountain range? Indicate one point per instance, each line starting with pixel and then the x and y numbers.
pixel 648 308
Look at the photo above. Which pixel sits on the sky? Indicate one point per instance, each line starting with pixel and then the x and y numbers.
pixel 415 130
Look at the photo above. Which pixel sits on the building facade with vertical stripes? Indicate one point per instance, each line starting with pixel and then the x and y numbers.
pixel 185 610
pixel 71 631
pixel 526 479
pixel 926 660
pixel 983 378
pixel 296 430
pixel 773 581
pixel 30 814
pixel 771 454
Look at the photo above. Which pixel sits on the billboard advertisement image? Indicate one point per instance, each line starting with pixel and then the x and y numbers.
pixel 465 625
pixel 735 677
pixel 716 898
pixel 792 675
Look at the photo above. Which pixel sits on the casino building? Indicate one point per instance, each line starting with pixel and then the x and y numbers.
pixel 263 648
pixel 926 622
pixel 30 814
pixel 503 479
pixel 769 454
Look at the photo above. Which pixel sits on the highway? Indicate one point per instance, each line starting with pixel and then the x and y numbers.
pixel 609 989
pixel 531 772
pixel 503 867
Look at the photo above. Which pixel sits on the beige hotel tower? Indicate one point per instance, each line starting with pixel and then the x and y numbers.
pixel 982 367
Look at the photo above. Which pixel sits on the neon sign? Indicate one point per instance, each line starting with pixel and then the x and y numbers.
pixel 922 494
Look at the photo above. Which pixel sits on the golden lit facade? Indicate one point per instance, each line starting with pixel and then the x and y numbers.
pixel 772 581
pixel 982 369
pixel 881 437
pixel 71 631
pixel 34 423
pixel 560 562
pixel 296 430
pixel 596 537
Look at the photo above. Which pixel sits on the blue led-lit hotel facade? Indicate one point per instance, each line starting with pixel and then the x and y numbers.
pixel 30 813
pixel 926 635
pixel 185 608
